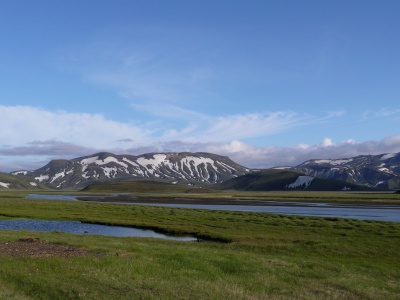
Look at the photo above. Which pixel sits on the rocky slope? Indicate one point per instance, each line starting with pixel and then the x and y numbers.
pixel 381 171
pixel 188 168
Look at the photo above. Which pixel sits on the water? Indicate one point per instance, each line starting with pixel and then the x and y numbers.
pixel 377 214
pixel 51 197
pixel 85 228
pixel 388 213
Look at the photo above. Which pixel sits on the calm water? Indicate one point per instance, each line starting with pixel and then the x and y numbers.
pixel 51 197
pixel 85 228
pixel 389 213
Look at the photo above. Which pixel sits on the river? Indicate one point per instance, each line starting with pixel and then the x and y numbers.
pixel 375 212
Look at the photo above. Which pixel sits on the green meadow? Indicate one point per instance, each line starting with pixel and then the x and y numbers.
pixel 240 255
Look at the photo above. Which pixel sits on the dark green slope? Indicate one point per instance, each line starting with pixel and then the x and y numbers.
pixel 265 180
pixel 139 186
pixel 275 180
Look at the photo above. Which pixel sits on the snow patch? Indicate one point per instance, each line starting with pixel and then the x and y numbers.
pixel 58 186
pixel 129 161
pixel 6 185
pixel 58 175
pixel 301 180
pixel 334 162
pixel 89 160
pixel 387 156
pixel 33 183
pixel 42 177
pixel 157 160
pixel 109 160
pixel 110 172
pixel 20 173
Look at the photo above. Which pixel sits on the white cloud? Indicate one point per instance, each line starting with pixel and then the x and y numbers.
pixel 270 156
pixel 239 151
pixel 23 124
pixel 326 142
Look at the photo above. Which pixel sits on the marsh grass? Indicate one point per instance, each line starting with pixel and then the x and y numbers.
pixel 252 256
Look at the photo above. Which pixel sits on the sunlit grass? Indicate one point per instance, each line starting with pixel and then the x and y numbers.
pixel 259 256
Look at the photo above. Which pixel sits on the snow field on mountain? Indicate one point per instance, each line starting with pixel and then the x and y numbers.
pixel 6 185
pixel 42 177
pixel 301 180
pixel 334 162
pixel 58 175
pixel 388 156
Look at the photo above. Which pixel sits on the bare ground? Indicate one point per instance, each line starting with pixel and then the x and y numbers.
pixel 35 247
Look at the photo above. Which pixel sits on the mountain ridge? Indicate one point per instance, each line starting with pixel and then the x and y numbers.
pixel 201 168
pixel 173 167
pixel 380 171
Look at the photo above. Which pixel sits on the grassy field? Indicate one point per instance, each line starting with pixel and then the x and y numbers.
pixel 243 256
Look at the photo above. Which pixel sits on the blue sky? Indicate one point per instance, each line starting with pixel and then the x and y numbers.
pixel 265 82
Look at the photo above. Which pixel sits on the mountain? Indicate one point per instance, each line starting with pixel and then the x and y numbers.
pixel 381 171
pixel 374 171
pixel 12 182
pixel 185 167
pixel 274 180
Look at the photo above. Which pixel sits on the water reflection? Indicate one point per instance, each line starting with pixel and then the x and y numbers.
pixel 85 228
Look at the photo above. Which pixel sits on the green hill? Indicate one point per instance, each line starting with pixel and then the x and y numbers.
pixel 139 186
pixel 274 180
pixel 16 182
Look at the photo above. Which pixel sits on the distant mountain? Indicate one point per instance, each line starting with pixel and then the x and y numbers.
pixel 12 182
pixel 185 168
pixel 276 180
pixel 374 171
pixel 380 171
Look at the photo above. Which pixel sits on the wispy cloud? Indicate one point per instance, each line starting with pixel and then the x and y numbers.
pixel 382 113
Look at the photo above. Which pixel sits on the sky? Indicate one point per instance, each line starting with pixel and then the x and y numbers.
pixel 267 83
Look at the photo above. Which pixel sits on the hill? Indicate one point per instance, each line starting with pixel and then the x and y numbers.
pixel 380 171
pixel 274 180
pixel 12 182
pixel 138 186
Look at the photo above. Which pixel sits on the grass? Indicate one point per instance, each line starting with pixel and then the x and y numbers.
pixel 258 256
pixel 165 190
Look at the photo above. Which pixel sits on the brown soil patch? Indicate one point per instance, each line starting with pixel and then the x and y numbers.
pixel 34 247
